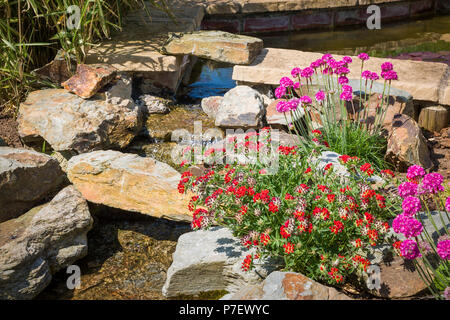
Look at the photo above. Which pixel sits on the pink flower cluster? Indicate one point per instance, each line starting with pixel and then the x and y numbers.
pixel 411 205
pixel 407 189
pixel 447 204
pixel 409 249
pixel 443 249
pixel 415 173
pixel 432 183
pixel 407 225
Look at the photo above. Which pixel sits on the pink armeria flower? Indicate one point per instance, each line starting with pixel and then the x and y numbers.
pixel 443 249
pixel 282 106
pixel 343 80
pixel 447 204
pixel 342 70
pixel 286 82
pixel 307 72
pixel 295 72
pixel 346 96
pixel 447 293
pixel 327 56
pixel 432 183
pixel 415 173
pixel 363 56
pixel 411 205
pixel 389 75
pixel 374 76
pixel 409 249
pixel 320 96
pixel 347 88
pixel 305 100
pixel 387 66
pixel 407 189
pixel 366 75
pixel 293 104
pixel 407 225
pixel 316 64
pixel 280 92
pixel 347 59
pixel 296 85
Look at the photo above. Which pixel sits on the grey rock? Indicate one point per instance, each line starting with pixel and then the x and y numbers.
pixel 152 104
pixel 242 107
pixel 210 260
pixel 287 286
pixel 211 105
pixel 41 242
pixel 68 122
pixel 27 178
pixel 118 92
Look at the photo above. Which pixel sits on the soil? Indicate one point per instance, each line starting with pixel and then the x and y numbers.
pixel 9 133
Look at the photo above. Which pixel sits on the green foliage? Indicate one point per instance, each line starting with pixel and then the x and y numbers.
pixel 32 31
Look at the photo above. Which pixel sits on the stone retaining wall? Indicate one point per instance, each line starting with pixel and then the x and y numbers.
pixel 247 16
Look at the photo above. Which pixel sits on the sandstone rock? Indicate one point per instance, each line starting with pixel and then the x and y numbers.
pixel 58 70
pixel 26 178
pixel 287 286
pixel 68 122
pixel 406 144
pixel 89 79
pixel 129 182
pixel 211 105
pixel 242 106
pixel 41 242
pixel 397 105
pixel 215 45
pixel 210 260
pixel 276 119
pixel 272 64
pixel 152 104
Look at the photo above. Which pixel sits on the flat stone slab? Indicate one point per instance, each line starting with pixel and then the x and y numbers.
pixel 215 45
pixel 137 47
pixel 429 82
pixel 129 182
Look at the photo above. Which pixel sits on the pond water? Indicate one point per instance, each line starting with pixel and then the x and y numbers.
pixel 210 78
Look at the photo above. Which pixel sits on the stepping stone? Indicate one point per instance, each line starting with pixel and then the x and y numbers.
pixel 215 45
pixel 429 83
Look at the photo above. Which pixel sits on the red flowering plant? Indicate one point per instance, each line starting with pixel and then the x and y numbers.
pixel 320 223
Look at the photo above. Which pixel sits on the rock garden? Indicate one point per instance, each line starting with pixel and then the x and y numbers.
pixel 299 175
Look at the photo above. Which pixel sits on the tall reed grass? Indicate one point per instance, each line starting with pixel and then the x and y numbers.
pixel 32 31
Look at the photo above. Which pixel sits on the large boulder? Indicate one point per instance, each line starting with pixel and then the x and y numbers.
pixel 215 45
pixel 406 144
pixel 211 260
pixel 89 79
pixel 41 242
pixel 27 178
pixel 129 182
pixel 287 286
pixel 68 122
pixel 241 107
